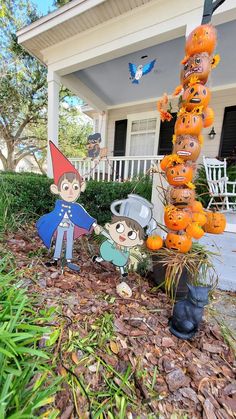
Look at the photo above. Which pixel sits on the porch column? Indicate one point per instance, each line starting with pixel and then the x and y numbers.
pixel 103 128
pixel 157 196
pixel 53 114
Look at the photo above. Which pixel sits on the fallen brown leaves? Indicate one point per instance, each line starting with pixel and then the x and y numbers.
pixel 169 375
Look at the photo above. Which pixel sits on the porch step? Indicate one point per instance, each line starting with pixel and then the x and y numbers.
pixel 225 264
pixel 231 222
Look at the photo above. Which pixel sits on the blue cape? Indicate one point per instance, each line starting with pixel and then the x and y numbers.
pixel 48 223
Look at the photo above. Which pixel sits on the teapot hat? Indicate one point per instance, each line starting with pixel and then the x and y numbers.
pixel 136 208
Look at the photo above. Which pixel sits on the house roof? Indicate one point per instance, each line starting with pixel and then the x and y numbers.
pixel 71 19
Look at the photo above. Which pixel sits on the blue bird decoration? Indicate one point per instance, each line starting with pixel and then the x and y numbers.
pixel 136 72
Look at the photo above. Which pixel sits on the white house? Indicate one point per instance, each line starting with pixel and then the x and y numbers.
pixel 87 46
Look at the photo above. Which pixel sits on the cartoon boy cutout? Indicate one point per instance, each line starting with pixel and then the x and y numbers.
pixel 68 220
pixel 122 234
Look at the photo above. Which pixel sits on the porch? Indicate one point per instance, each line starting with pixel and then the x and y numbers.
pixel 119 169
pixel 88 45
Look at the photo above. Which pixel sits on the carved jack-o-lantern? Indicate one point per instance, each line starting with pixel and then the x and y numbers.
pixel 181 197
pixel 201 39
pixel 216 222
pixel 179 175
pixel 187 147
pixel 188 123
pixel 180 242
pixel 196 95
pixel 176 219
pixel 198 65
pixel 208 117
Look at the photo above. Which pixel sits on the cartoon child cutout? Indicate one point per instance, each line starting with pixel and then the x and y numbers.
pixel 68 220
pixel 122 234
pixel 126 230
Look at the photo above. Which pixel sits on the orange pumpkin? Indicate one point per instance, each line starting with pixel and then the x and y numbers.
pixel 208 117
pixel 188 124
pixel 154 242
pixel 196 206
pixel 197 65
pixel 176 219
pixel 180 242
pixel 200 218
pixel 201 39
pixel 181 197
pixel 187 147
pixel 195 230
pixel 196 95
pixel 216 222
pixel 179 175
pixel 165 162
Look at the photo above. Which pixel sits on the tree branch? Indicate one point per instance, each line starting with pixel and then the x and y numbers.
pixel 209 8
pixel 3 160
pixel 26 152
pixel 21 127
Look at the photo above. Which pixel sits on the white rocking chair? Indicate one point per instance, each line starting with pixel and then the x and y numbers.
pixel 222 191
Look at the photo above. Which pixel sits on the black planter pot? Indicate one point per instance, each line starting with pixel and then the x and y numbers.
pixel 187 314
pixel 158 276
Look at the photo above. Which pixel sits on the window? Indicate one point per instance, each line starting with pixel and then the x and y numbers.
pixel 166 134
pixel 228 134
pixel 142 134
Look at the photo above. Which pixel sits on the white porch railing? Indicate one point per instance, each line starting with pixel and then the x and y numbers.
pixel 115 168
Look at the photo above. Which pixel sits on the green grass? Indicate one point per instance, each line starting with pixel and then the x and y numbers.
pixel 27 382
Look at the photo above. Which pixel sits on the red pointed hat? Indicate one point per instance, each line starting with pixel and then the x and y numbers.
pixel 60 164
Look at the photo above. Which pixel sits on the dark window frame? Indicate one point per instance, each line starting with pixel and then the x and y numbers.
pixel 227 109
pixel 166 122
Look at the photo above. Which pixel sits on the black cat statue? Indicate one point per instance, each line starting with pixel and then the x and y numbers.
pixel 187 314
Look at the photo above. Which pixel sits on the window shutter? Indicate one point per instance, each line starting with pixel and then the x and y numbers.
pixel 165 137
pixel 228 134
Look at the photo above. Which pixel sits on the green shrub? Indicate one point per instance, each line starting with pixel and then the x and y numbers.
pixel 26 196
pixel 202 189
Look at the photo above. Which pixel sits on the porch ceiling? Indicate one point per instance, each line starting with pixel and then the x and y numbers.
pixel 75 17
pixel 110 80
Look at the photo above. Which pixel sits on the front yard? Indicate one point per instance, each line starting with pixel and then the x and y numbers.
pixel 116 357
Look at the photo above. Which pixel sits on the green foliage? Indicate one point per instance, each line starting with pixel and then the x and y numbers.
pixel 26 196
pixel 99 195
pixel 202 189
pixel 60 3
pixel 23 97
pixel 27 382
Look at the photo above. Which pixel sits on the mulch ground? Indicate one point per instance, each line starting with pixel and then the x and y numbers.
pixel 192 379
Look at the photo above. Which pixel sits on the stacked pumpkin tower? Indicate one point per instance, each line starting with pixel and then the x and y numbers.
pixel 184 216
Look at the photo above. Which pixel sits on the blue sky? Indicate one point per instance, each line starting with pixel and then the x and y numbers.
pixel 44 6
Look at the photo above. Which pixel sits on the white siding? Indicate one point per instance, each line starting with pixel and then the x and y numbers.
pixel 220 99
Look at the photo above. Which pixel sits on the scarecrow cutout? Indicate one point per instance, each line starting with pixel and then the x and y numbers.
pixel 136 72
pixel 131 220
pixel 93 146
pixel 68 220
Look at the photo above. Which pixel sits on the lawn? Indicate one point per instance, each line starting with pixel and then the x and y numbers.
pixel 101 356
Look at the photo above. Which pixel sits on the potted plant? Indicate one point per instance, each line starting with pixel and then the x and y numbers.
pixel 173 271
